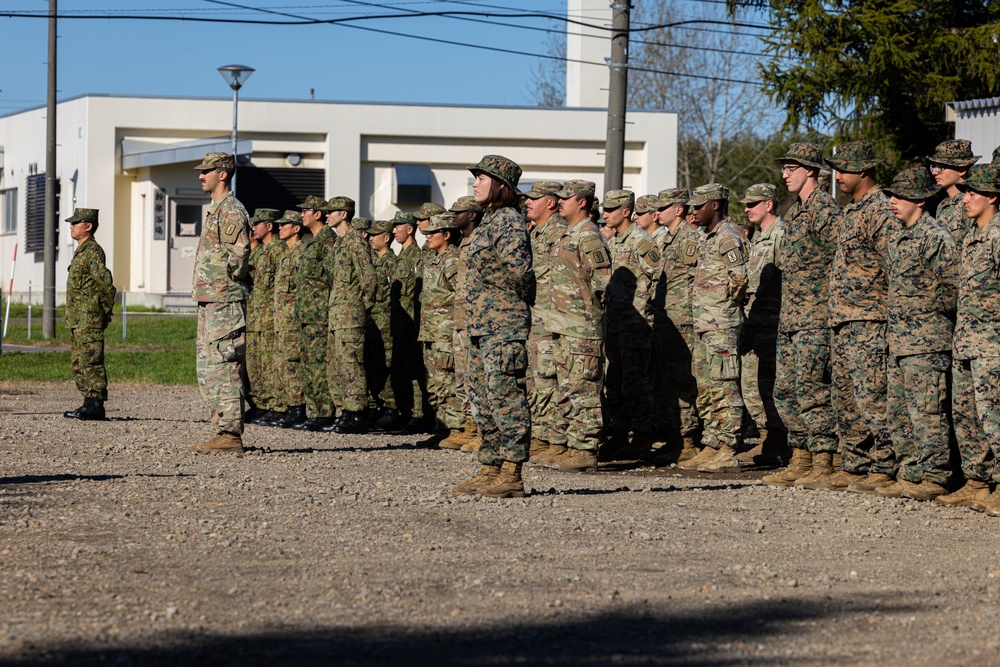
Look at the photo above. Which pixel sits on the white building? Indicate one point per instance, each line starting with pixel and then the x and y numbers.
pixel 979 122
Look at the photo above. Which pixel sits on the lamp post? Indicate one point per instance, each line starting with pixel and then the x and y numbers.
pixel 235 76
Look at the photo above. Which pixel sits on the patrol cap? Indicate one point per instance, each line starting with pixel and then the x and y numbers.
pixel 954 153
pixel 760 192
pixel 576 188
pixel 440 222
pixel 361 224
pixel 290 218
pixel 617 198
pixel 314 203
pixel 427 209
pixel 217 161
pixel 647 204
pixel 673 197
pixel 85 215
pixel 982 178
pixel 265 215
pixel 467 203
pixel 500 167
pixel 914 184
pixel 854 157
pixel 541 189
pixel 340 204
pixel 404 218
pixel 380 227
pixel 708 192
pixel 804 153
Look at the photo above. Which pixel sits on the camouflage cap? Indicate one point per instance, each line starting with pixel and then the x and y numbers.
pixel 440 222
pixel 541 189
pixel 314 203
pixel 467 203
pixel 499 167
pixel 673 196
pixel 576 188
pixel 915 184
pixel 982 178
pixel 265 215
pixel 404 218
pixel 85 215
pixel 708 192
pixel 617 198
pixel 380 227
pixel 741 220
pixel 427 209
pixel 361 224
pixel 647 204
pixel 996 156
pixel 760 192
pixel 290 218
pixel 954 153
pixel 340 204
pixel 804 153
pixel 217 161
pixel 854 157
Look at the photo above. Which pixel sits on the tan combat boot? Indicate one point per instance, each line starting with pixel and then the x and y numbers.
pixel 576 460
pixel 838 481
pixel 972 491
pixel 485 477
pixel 799 466
pixel 454 440
pixel 981 504
pixel 868 484
pixel 689 449
pixel 553 452
pixel 223 443
pixel 508 484
pixel 838 461
pixel 894 490
pixel 723 461
pixel 704 456
pixel 537 449
pixel 924 491
pixel 822 466
pixel 474 443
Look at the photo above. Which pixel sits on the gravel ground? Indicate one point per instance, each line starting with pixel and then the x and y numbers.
pixel 119 546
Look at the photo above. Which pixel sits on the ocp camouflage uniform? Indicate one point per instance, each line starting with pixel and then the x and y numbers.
pixel 580 268
pixel 265 389
pixel 220 287
pixel 460 340
pixel 720 283
pixel 922 294
pixel 408 373
pixel 437 331
pixel 352 295
pixel 312 306
pixel 635 268
pixel 287 329
pixel 379 358
pixel 951 213
pixel 90 298
pixel 858 317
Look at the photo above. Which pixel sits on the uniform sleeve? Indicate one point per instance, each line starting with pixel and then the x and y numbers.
pixel 366 274
pixel 733 250
pixel 513 249
pixel 594 255
pixel 234 234
pixel 880 231
pixel 824 226
pixel 941 254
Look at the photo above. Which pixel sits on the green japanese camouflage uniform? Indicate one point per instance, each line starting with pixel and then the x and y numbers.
pixel 265 389
pixel 220 287
pixel 580 268
pixel 499 283
pixel 352 295
pixel 312 306
pixel 408 372
pixel 635 268
pixel 720 283
pixel 90 297
pixel 379 340
pixel 287 328
pixel 437 334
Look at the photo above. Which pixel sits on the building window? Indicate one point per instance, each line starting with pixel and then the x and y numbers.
pixel 8 211
pixel 34 214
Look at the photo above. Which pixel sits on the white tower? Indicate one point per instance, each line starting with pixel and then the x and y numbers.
pixel 587 85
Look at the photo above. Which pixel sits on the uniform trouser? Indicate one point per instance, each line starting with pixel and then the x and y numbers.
pixel 439 360
pixel 919 400
pixel 675 388
pixel 378 365
pixel 263 388
pixel 542 384
pixel 716 366
pixel 802 389
pixel 319 403
pixel 629 394
pixel 220 358
pixel 579 366
pixel 87 352
pixel 976 411
pixel 346 368
pixel 758 348
pixel 408 374
pixel 496 381
pixel 460 345
pixel 859 397
pixel 287 366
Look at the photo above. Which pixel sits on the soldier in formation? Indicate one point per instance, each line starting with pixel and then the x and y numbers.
pixel 263 392
pixel 287 329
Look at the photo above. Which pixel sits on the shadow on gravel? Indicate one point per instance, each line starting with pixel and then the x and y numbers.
pixel 628 489
pixel 388 447
pixel 753 633
pixel 43 479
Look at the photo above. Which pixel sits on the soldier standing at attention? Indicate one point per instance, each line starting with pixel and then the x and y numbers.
pixel 802 392
pixel 976 370
pixel 950 165
pixel 220 287
pixel 90 297
pixel 401 322
pixel 287 329
pixel 635 268
pixel 759 339
pixel 545 226
pixel 499 284
pixel 648 219
pixel 264 391
pixel 312 299
pixel 923 290
pixel 720 283
pixel 379 357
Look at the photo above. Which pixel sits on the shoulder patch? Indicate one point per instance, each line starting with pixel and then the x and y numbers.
pixel 230 231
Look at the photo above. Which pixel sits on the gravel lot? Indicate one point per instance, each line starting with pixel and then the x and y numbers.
pixel 118 546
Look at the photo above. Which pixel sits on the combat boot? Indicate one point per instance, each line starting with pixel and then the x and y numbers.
pixel 799 466
pixel 553 452
pixel 868 484
pixel 838 481
pixel 507 484
pixel 704 456
pixel 417 425
pixel 924 491
pixel 666 454
pixel 472 446
pixel 351 422
pixel 609 449
pixel 91 410
pixel 973 490
pixel 537 449
pixel 439 434
pixel 723 461
pixel 576 460
pixel 223 443
pixel 838 461
pixel 822 468
pixel 262 417
pixel 319 424
pixel 690 448
pixel 638 447
pixel 388 420
pixel 295 415
pixel 276 418
pixel 485 477
pixel 459 438
pixel 773 448
pixel 894 490
pixel 980 504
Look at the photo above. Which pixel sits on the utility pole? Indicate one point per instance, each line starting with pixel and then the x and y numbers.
pixel 614 157
pixel 49 281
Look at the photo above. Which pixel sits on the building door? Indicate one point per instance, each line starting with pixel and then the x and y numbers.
pixel 186 217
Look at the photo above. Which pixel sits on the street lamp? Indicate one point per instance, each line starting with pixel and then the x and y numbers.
pixel 235 76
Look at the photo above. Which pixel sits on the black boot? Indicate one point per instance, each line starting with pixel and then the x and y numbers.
pixel 295 415
pixel 75 414
pixel 262 418
pixel 276 418
pixel 91 410
pixel 316 424
pixel 351 422
pixel 418 425
pixel 388 420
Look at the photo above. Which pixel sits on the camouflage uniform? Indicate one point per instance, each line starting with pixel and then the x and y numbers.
pixel 408 373
pixel 956 153
pixel 264 391
pixel 352 295
pixel 287 329
pixel 951 213
pixel 379 359
pixel 312 304
pixel 759 338
pixel 220 288
pixel 90 297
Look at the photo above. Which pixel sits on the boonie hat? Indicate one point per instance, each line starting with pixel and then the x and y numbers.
pixel 505 169
pixel 954 153
pixel 982 178
pixel 915 184
pixel 854 157
pixel 804 153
